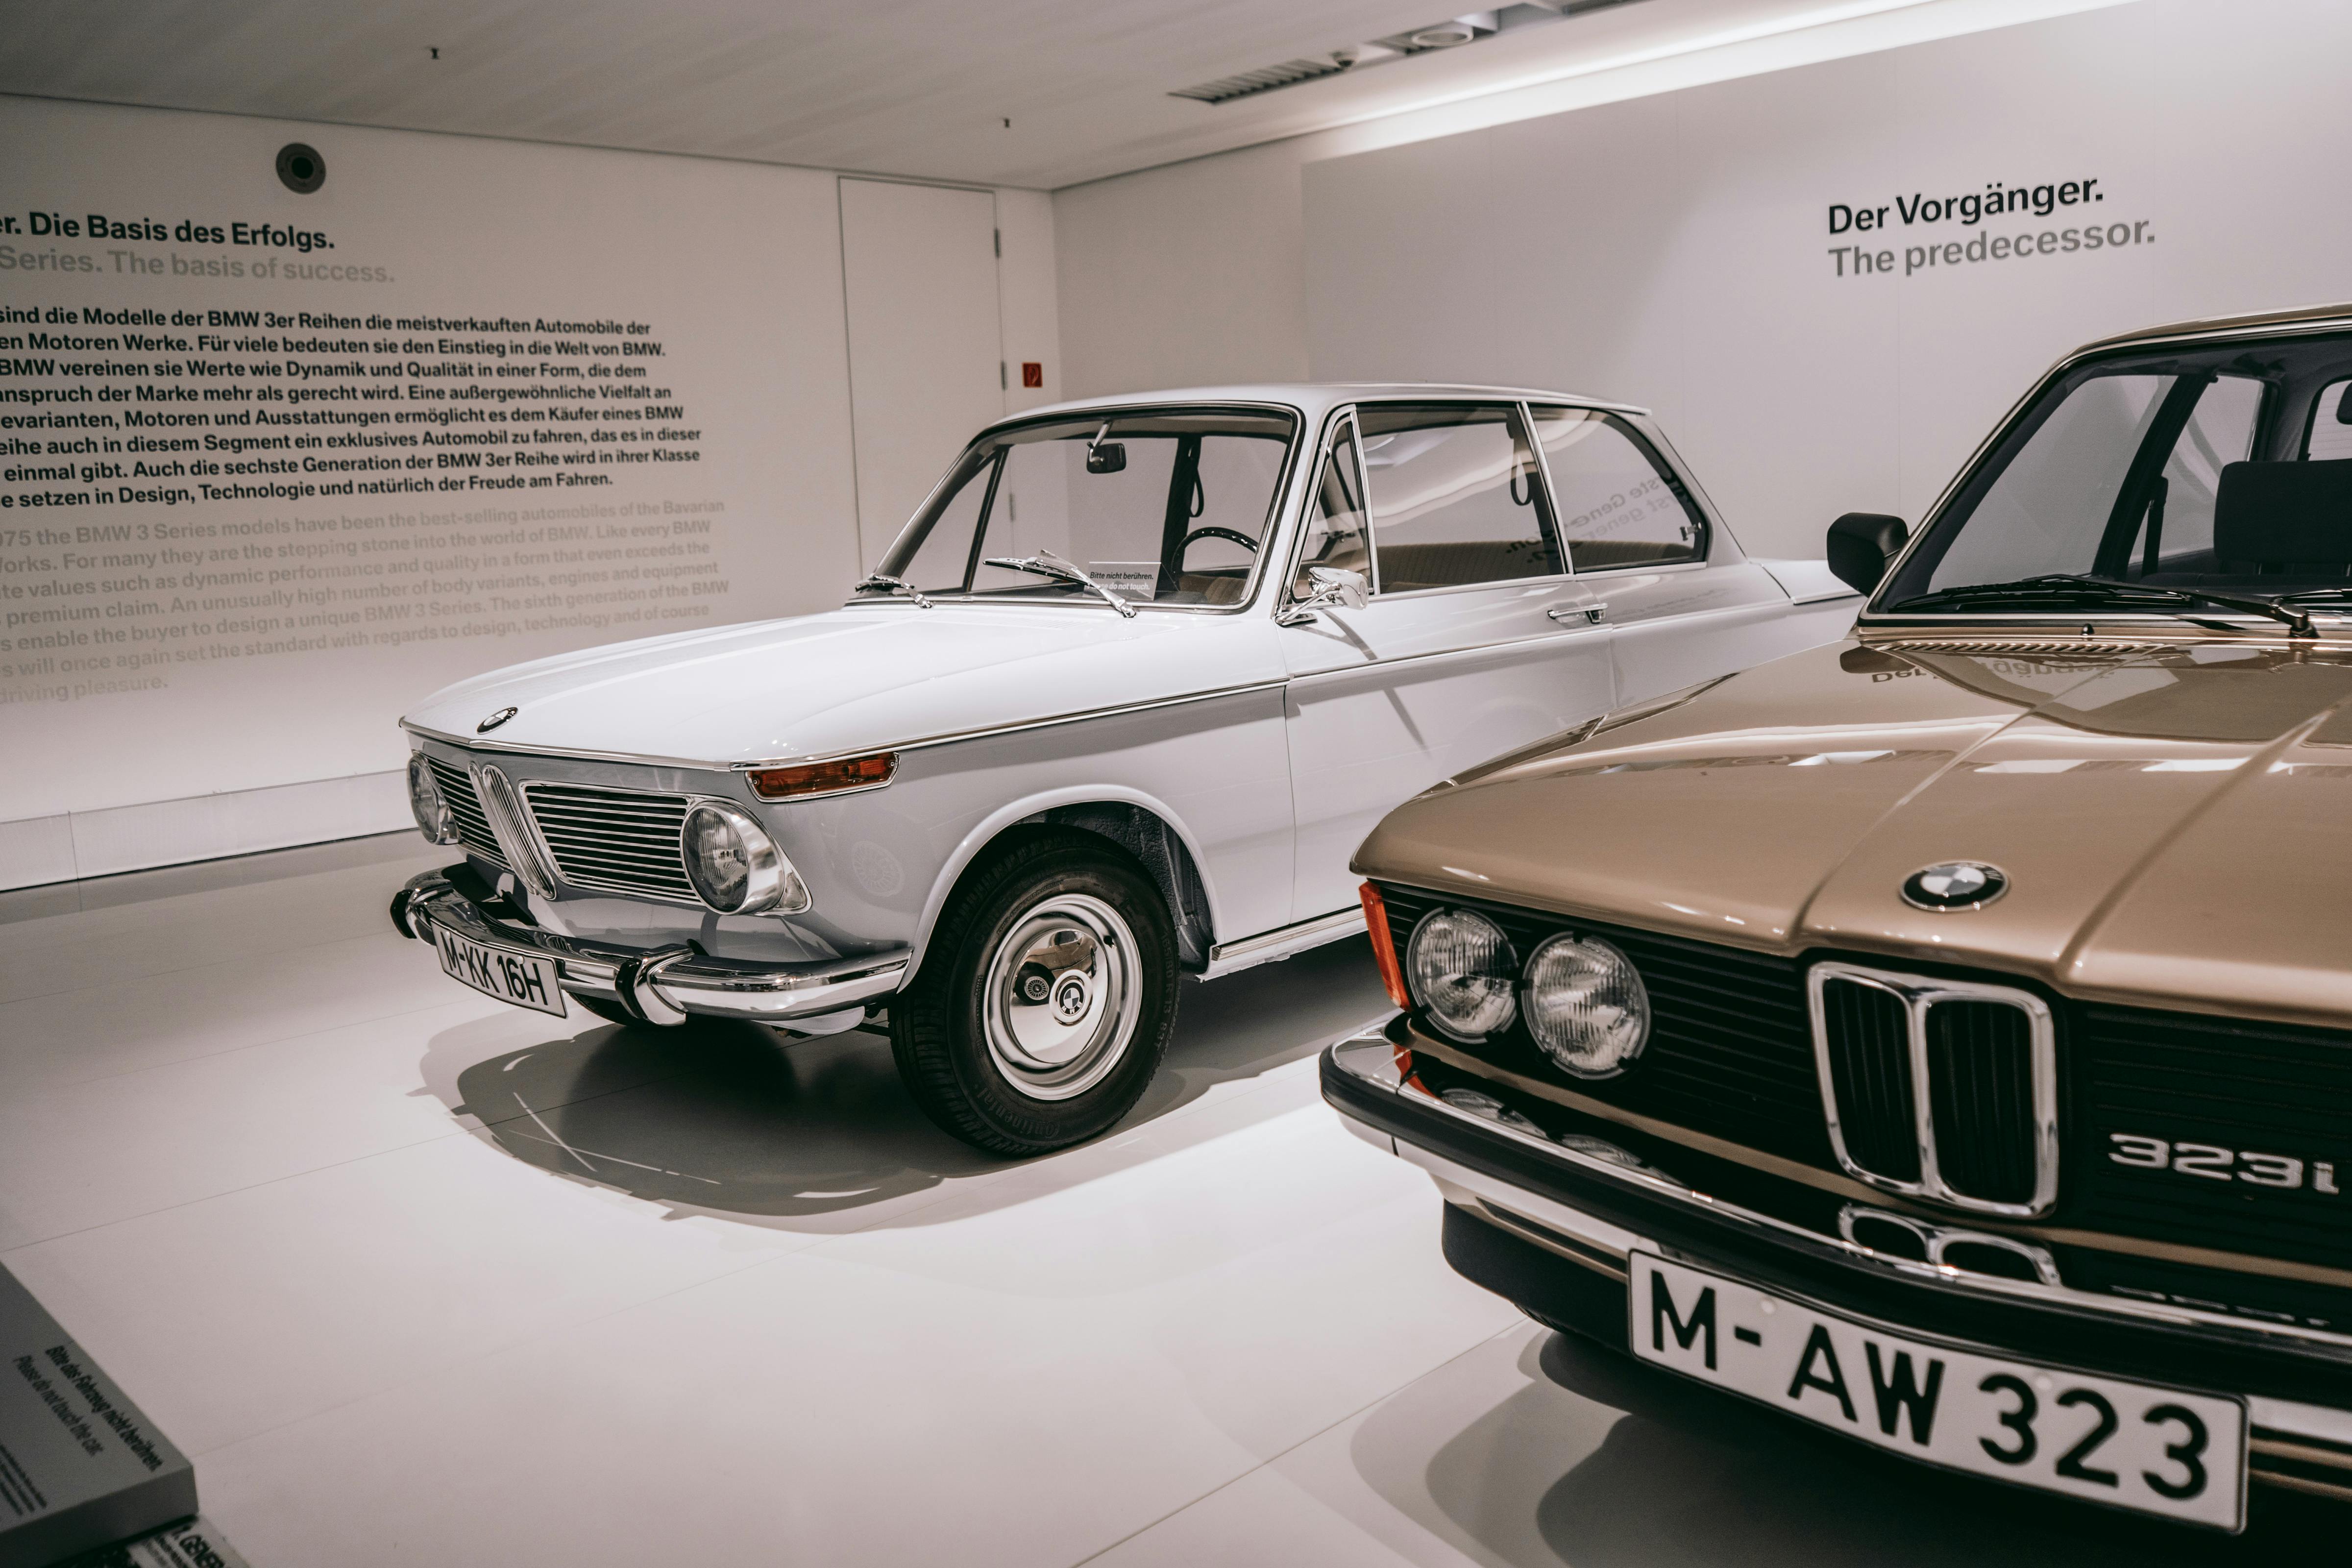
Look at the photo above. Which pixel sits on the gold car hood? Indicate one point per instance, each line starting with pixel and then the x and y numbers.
pixel 2172 818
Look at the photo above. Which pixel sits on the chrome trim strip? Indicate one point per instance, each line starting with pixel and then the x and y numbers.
pixel 1016 727
pixel 1285 942
pixel 1372 1061
pixel 574 753
pixel 1918 994
pixel 1021 726
pixel 2314 1421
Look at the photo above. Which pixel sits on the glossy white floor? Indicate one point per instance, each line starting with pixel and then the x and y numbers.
pixel 420 1279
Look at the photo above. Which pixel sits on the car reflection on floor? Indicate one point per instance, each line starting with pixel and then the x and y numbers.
pixel 736 1120
pixel 1541 1449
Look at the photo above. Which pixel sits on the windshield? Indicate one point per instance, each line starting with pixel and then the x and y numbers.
pixel 2157 474
pixel 1159 506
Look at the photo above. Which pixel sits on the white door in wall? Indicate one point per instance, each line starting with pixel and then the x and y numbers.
pixel 919 266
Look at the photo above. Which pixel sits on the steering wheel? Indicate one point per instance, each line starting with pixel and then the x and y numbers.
pixel 1213 532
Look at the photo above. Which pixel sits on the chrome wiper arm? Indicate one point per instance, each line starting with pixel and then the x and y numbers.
pixel 1046 563
pixel 2070 585
pixel 890 584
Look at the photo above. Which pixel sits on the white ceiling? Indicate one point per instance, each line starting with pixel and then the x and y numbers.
pixel 916 88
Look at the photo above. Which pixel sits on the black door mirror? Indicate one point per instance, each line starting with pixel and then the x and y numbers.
pixel 1861 543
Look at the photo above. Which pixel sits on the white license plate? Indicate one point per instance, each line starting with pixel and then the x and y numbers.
pixel 509 977
pixel 2130 1445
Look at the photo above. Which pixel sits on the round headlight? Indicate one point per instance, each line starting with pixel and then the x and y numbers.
pixel 1461 968
pixel 433 817
pixel 735 866
pixel 1586 1005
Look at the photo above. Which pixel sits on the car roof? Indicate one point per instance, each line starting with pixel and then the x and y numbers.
pixel 1316 398
pixel 2303 317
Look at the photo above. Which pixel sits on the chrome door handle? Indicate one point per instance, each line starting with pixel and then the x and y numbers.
pixel 1591 612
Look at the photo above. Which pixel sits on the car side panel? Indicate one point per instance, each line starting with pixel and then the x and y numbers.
pixel 1217 770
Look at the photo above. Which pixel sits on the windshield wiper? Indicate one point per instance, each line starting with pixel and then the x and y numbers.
pixel 2073 588
pixel 890 584
pixel 1046 563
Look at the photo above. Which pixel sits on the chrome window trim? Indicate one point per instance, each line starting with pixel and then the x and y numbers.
pixel 1371 1058
pixel 2130 343
pixel 1918 993
pixel 1278 509
pixel 1295 553
pixel 1644 442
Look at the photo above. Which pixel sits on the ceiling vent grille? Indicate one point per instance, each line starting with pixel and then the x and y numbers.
pixel 1453 32
pixel 1289 73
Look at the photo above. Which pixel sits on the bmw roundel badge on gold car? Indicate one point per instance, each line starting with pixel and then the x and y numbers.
pixel 1945 1036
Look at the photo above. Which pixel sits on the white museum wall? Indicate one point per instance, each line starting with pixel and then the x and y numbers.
pixel 1676 251
pixel 1195 273
pixel 224 699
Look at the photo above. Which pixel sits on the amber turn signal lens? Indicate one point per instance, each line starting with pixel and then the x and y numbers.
pixel 824 778
pixel 1376 919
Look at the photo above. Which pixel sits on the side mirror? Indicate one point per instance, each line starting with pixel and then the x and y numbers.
pixel 1106 457
pixel 1332 587
pixel 1861 544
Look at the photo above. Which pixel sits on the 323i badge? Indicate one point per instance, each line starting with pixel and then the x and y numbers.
pixel 2155 1450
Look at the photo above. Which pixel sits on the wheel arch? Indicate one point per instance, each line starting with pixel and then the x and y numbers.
pixel 1136 822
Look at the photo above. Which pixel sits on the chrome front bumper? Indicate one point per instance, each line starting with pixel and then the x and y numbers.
pixel 2318 1437
pixel 664 985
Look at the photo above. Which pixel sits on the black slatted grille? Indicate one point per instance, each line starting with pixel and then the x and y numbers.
pixel 1730 1050
pixel 1980 1096
pixel 613 840
pixel 2205 1084
pixel 1869 1033
pixel 472 827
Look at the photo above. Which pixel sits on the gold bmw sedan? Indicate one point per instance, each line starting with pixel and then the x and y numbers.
pixel 1945 1036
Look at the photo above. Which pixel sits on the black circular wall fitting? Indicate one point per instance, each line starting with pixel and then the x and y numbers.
pixel 300 169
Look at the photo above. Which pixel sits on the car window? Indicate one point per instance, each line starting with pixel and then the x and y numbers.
pixel 1454 497
pixel 2220 430
pixel 1163 505
pixel 1618 503
pixel 2048 510
pixel 2331 424
pixel 1335 524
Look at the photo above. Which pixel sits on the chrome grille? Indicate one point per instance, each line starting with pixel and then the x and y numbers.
pixel 613 840
pixel 1941 1089
pixel 1869 1034
pixel 457 787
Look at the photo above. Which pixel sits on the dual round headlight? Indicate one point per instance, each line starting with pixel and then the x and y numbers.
pixel 1583 1000
pixel 426 801
pixel 735 866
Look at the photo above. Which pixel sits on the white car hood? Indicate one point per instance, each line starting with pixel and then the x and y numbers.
pixel 851 679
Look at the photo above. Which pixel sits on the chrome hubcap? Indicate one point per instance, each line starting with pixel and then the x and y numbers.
pixel 1061 996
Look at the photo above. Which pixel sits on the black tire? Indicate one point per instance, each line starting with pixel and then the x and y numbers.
pixel 954 1033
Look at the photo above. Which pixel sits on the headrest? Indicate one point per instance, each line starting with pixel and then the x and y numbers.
pixel 2285 512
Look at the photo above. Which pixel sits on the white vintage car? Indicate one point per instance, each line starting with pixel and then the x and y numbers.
pixel 1117 708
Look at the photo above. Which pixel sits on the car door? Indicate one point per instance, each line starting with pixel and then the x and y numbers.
pixel 1687 606
pixel 1475 638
